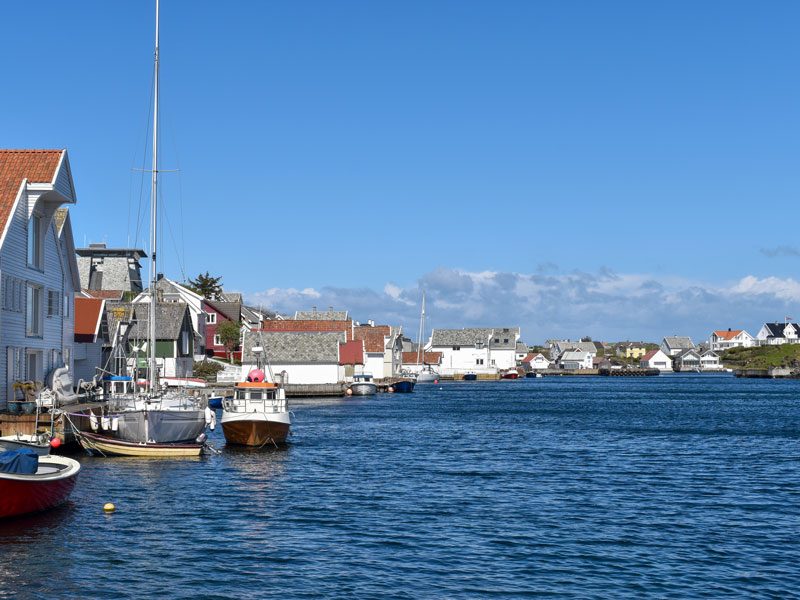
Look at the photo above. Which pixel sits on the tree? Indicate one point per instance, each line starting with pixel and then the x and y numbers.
pixel 229 333
pixel 207 286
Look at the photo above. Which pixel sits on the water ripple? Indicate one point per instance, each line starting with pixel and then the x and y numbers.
pixel 668 487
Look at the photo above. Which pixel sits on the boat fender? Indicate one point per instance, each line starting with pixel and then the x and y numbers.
pixel 391 389
pixel 211 419
pixel 93 421
pixel 114 423
pixel 106 422
pixel 55 442
pixel 201 439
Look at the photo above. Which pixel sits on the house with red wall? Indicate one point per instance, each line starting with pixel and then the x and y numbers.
pixel 217 313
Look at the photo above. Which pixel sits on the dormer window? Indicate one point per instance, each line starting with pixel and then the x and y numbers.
pixel 35 242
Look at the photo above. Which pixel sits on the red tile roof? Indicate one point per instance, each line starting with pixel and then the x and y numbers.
pixel 107 294
pixel 531 356
pixel 37 166
pixel 431 358
pixel 648 356
pixel 351 353
pixel 728 335
pixel 88 312
pixel 309 325
pixel 372 336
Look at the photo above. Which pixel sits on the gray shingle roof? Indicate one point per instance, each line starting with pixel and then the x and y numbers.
pixel 678 342
pixel 294 346
pixel 318 315
pixel 580 346
pixel 578 355
pixel 232 310
pixel 468 336
pixel 169 318
pixel 522 347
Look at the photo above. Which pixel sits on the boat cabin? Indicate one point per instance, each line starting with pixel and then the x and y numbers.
pixel 254 396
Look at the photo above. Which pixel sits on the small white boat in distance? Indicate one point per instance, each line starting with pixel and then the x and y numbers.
pixel 362 385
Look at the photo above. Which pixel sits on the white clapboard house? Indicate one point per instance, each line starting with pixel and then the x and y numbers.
pixel 38 270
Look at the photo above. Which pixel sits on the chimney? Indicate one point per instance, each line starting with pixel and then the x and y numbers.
pixel 313 309
pixel 330 309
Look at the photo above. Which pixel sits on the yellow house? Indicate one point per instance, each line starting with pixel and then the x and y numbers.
pixel 631 350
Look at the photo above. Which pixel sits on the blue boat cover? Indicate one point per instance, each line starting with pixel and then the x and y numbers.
pixel 22 462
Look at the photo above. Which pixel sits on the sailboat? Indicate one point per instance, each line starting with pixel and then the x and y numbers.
pixel 156 422
pixel 426 373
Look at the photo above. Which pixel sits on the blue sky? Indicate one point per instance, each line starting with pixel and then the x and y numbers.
pixel 623 170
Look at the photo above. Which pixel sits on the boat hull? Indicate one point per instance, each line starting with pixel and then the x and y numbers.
pixel 403 387
pixel 160 426
pixel 49 487
pixel 470 377
pixel 15 443
pixel 99 445
pixel 363 389
pixel 427 377
pixel 255 432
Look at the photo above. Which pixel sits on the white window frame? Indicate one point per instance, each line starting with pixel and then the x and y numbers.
pixel 211 318
pixel 53 303
pixel 34 311
pixel 34 374
pixel 35 249
pixel 217 340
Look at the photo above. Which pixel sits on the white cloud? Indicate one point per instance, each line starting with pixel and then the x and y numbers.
pixel 606 305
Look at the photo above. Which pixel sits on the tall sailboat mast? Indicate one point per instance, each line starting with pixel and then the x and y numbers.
pixel 421 330
pixel 153 217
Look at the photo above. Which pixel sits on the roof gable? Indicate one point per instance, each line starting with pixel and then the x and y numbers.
pixel 428 358
pixel 88 316
pixel 351 353
pixel 373 337
pixel 16 166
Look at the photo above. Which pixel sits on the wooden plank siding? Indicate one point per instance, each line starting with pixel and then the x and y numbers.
pixel 57 332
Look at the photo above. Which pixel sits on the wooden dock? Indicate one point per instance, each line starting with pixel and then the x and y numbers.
pixel 62 428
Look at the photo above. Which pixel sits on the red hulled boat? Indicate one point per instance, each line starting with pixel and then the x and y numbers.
pixel 48 487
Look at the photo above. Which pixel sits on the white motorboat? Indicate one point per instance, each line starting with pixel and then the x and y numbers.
pixel 363 385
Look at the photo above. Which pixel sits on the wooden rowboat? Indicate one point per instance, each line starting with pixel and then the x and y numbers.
pixel 104 446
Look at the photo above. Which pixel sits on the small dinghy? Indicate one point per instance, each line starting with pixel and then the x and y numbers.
pixel 31 483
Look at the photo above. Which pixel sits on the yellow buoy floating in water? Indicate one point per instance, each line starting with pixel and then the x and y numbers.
pixel 109 507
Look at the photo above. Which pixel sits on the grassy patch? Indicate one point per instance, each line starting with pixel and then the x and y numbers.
pixel 762 357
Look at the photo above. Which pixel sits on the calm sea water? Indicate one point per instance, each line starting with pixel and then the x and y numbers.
pixel 667 487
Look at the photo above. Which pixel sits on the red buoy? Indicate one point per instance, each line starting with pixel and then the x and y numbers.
pixel 55 442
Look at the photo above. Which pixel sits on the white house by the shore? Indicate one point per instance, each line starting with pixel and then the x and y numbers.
pixel 476 350
pixel 38 266
pixel 656 359
pixel 720 340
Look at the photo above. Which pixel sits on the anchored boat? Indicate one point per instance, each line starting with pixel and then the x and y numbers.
pixel 157 421
pixel 363 385
pixel 257 414
pixel 31 483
